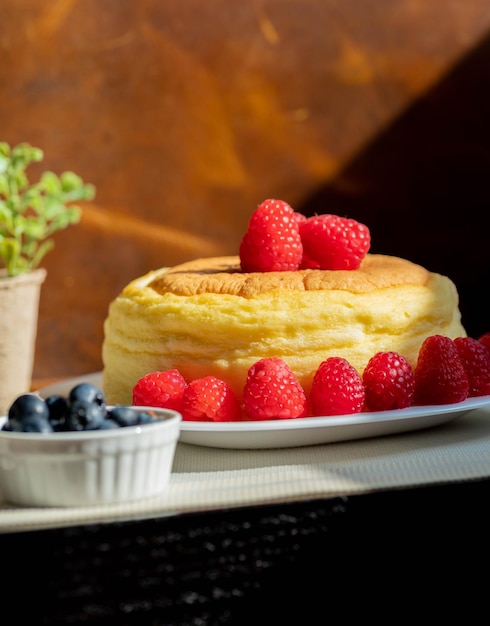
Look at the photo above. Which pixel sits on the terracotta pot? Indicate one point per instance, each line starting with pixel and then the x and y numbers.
pixel 19 307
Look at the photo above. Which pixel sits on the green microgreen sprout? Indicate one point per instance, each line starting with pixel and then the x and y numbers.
pixel 31 213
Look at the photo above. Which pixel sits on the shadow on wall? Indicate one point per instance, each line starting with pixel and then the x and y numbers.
pixel 423 186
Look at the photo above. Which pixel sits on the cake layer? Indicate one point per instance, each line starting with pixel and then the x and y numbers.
pixel 208 318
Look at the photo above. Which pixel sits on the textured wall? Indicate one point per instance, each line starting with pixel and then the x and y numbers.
pixel 185 115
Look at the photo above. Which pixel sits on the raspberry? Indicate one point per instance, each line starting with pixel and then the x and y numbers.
pixel 308 264
pixel 299 217
pixel 475 357
pixel 337 388
pixel 389 382
pixel 439 374
pixel 160 389
pixel 335 243
pixel 272 242
pixel 485 340
pixel 272 391
pixel 210 399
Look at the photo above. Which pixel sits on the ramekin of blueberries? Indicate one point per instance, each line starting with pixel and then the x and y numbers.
pixel 83 409
pixel 76 450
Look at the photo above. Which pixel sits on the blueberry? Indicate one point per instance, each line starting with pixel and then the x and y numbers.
pixel 58 409
pixel 108 424
pixel 14 425
pixel 30 424
pixel 26 405
pixel 146 418
pixel 28 413
pixel 88 393
pixel 84 415
pixel 124 415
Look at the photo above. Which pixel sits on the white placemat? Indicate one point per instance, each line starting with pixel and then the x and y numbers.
pixel 205 479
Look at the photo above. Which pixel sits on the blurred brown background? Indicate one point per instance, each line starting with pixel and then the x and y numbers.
pixel 186 115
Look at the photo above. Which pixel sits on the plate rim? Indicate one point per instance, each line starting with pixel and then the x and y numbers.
pixel 322 421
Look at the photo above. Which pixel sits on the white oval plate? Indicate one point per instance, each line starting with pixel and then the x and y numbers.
pixel 306 431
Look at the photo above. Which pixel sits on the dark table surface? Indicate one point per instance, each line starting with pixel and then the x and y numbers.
pixel 419 553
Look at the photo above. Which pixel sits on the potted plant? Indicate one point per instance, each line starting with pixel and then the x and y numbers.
pixel 29 215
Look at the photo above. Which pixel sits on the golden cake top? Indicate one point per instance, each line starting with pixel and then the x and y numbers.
pixel 222 275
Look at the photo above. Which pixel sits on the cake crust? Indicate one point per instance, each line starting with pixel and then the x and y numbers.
pixel 222 275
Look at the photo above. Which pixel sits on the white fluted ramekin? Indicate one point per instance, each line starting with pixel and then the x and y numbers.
pixel 90 467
